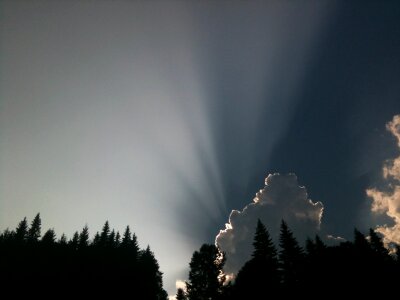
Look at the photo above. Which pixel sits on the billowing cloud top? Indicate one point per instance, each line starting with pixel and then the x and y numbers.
pixel 388 202
pixel 281 198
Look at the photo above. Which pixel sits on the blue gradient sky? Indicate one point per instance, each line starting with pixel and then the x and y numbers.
pixel 166 115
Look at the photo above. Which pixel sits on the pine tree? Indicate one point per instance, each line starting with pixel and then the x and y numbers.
pixel 291 257
pixel 21 232
pixel 63 240
pixel 6 236
pixel 83 240
pixel 74 242
pixel 261 268
pixel 360 241
pixel 104 234
pixel 96 239
pixel 127 238
pixel 111 239
pixel 377 244
pixel 205 280
pixel 34 231
pixel 49 237
pixel 130 245
pixel 117 239
pixel 151 277
pixel 264 248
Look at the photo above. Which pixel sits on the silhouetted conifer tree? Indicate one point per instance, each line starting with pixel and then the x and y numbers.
pixel 360 242
pixel 104 234
pixel 151 277
pixel 21 232
pixel 260 274
pixel 74 242
pixel 63 240
pixel 96 239
pixel 117 239
pixel 7 235
pixel 127 239
pixel 34 231
pixel 377 244
pixel 49 237
pixel 83 240
pixel 111 239
pixel 291 257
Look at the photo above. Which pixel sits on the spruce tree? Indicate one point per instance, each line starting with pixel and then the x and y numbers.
pixel 117 239
pixel 74 242
pixel 34 231
pixel 49 237
pixel 291 257
pixel 261 271
pixel 377 245
pixel 21 232
pixel 83 240
pixel 104 234
pixel 151 277
pixel 127 238
pixel 63 240
pixel 111 239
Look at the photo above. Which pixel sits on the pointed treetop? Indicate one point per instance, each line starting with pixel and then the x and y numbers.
pixel 360 240
pixel 49 237
pixel 377 244
pixel 63 239
pixel 126 240
pixel 117 238
pixel 263 245
pixel 21 232
pixel 34 232
pixel 83 240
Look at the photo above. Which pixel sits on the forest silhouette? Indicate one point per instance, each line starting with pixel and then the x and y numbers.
pixel 113 264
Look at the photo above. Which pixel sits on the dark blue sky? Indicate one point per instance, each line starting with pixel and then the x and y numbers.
pixel 335 140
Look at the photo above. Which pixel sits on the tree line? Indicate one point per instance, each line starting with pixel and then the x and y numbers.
pixel 113 264
pixel 109 264
pixel 316 271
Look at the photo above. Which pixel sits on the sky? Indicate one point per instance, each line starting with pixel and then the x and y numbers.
pixel 168 115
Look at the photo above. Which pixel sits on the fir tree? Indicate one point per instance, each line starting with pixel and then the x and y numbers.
pixel 34 231
pixel 83 240
pixel 261 268
pixel 63 240
pixel 21 232
pixel 377 244
pixel 49 237
pixel 151 277
pixel 74 242
pixel 290 256
pixel 117 239
pixel 104 234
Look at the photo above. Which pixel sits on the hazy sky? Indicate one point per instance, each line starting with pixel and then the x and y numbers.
pixel 166 115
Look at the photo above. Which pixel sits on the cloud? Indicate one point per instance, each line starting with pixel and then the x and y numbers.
pixel 281 198
pixel 387 202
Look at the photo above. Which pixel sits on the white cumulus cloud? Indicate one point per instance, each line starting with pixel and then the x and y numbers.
pixel 281 198
pixel 387 202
